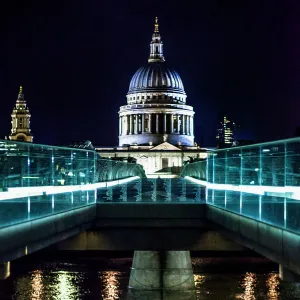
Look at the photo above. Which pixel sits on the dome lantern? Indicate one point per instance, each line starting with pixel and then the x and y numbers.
pixel 156 45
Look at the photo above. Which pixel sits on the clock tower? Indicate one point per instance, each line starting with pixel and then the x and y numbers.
pixel 20 130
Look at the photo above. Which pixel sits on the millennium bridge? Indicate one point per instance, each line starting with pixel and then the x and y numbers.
pixel 70 199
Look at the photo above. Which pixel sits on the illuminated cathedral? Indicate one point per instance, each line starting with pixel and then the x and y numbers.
pixel 156 109
pixel 156 126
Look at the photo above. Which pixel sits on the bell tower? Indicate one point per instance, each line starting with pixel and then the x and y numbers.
pixel 20 129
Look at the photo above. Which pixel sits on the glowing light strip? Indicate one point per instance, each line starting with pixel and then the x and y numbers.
pixel 292 192
pixel 21 192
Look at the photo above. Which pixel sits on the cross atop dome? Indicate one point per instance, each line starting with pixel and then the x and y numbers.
pixel 156 25
pixel 21 95
pixel 156 45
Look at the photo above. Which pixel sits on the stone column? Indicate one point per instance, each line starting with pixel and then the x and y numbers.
pixel 131 125
pixel 4 270
pixel 178 123
pixel 192 125
pixel 143 123
pixel 136 124
pixel 171 123
pixel 188 125
pixel 165 122
pixel 149 123
pixel 123 125
pixel 145 270
pixel 127 124
pixel 161 275
pixel 287 275
pixel 120 125
pixel 139 123
pixel 157 123
pixel 183 124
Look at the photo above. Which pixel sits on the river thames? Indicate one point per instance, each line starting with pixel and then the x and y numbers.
pixel 105 277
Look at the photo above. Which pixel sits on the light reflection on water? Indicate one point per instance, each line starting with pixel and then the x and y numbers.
pixel 249 283
pixel 37 285
pixel 54 285
pixel 273 286
pixel 89 282
pixel 111 285
pixel 66 286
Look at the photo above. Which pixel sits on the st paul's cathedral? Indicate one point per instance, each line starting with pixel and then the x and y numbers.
pixel 156 127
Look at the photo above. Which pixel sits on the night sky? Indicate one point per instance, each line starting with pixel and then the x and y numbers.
pixel 75 60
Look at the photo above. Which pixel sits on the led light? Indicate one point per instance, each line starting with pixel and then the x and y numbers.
pixel 20 192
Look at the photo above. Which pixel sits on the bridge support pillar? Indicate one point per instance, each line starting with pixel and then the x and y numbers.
pixel 161 275
pixel 4 270
pixel 288 275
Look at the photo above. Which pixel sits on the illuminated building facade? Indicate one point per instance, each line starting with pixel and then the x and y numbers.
pixel 20 129
pixel 225 134
pixel 156 127
pixel 156 109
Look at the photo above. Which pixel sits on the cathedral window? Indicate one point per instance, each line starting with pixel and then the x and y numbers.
pixel 148 97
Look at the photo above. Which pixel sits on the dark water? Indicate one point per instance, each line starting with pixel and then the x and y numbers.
pixel 107 278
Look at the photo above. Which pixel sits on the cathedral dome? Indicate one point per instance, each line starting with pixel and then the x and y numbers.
pixel 156 76
pixel 156 109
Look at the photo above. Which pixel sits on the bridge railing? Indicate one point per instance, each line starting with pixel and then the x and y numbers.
pixel 195 170
pixel 39 180
pixel 261 181
pixel 32 165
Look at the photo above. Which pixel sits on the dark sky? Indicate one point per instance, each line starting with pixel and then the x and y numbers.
pixel 75 60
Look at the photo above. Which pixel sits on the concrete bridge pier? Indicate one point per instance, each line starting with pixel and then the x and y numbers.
pixel 287 275
pixel 4 270
pixel 161 275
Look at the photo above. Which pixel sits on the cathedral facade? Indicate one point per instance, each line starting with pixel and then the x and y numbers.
pixel 156 126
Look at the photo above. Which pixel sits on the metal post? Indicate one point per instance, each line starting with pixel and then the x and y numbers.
pixel 285 169
pixel 213 178
pixel 225 179
pixel 28 208
pixel 241 180
pixel 260 180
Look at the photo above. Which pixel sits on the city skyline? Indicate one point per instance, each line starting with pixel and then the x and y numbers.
pixel 75 66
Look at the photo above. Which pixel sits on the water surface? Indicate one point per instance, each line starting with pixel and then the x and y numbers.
pixel 105 278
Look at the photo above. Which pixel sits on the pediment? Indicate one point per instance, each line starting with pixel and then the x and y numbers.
pixel 165 146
